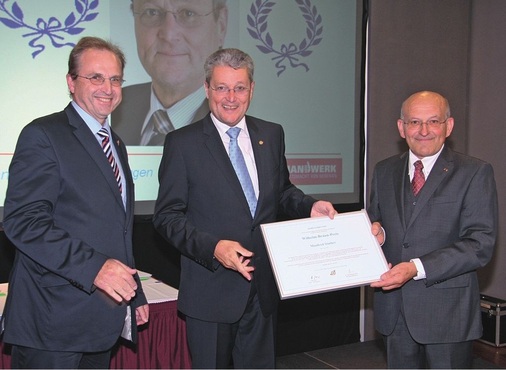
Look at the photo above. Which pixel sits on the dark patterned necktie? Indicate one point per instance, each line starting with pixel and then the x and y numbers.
pixel 418 178
pixel 106 146
pixel 241 170
pixel 161 126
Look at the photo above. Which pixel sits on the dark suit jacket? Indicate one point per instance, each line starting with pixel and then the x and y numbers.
pixel 452 230
pixel 201 201
pixel 64 214
pixel 128 118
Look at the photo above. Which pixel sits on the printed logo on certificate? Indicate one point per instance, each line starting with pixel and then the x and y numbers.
pixel 316 255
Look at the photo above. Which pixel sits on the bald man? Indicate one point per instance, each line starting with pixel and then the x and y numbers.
pixel 439 211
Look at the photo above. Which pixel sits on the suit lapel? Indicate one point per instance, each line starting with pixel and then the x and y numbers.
pixel 217 151
pixel 123 158
pixel 257 142
pixel 91 145
pixel 399 177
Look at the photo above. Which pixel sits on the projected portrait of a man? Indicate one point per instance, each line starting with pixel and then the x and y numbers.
pixel 173 39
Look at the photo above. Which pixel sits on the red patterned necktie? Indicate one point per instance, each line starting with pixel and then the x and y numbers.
pixel 106 146
pixel 418 178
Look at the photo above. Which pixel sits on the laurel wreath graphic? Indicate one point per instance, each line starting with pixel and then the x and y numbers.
pixel 257 21
pixel 53 28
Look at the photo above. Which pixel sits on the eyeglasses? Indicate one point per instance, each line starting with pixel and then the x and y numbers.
pixel 224 90
pixel 433 123
pixel 154 17
pixel 99 80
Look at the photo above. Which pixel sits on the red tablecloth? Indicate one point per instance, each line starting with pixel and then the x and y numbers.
pixel 162 343
pixel 5 358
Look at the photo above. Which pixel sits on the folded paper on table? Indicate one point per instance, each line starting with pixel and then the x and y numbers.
pixel 158 292
pixel 143 275
pixel 316 255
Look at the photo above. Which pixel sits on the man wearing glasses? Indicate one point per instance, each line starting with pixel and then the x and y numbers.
pixel 173 40
pixel 73 289
pixel 220 179
pixel 439 210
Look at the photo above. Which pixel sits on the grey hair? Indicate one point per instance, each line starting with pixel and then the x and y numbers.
pixel 234 58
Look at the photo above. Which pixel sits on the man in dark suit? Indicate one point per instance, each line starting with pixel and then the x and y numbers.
pixel 227 289
pixel 173 39
pixel 439 211
pixel 73 289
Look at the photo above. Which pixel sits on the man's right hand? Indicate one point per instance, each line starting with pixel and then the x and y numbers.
pixel 234 256
pixel 116 280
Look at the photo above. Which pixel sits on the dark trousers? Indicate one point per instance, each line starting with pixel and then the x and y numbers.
pixel 246 344
pixel 31 358
pixel 403 352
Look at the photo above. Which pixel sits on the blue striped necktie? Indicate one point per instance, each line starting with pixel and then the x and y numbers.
pixel 241 170
pixel 106 146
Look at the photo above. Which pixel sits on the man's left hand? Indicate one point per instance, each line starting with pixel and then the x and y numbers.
pixel 378 232
pixel 396 277
pixel 142 314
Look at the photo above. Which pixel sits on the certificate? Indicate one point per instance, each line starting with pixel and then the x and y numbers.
pixel 316 255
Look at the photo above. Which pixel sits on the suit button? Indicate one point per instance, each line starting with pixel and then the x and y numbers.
pixel 405 245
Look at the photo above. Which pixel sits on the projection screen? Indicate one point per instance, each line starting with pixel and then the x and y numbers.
pixel 308 72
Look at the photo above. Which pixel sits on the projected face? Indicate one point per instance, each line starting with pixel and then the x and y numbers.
pixel 174 37
pixel 425 139
pixel 98 100
pixel 229 92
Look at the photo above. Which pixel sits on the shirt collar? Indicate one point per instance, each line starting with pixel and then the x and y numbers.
pixel 223 128
pixel 91 122
pixel 428 162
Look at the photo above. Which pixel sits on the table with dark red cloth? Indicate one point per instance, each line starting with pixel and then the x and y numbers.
pixel 161 343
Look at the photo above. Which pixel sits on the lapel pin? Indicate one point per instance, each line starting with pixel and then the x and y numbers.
pixel 261 142
pixel 445 169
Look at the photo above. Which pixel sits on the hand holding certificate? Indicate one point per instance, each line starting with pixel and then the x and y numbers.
pixel 316 255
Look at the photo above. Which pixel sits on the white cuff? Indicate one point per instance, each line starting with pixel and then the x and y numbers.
pixel 384 236
pixel 420 271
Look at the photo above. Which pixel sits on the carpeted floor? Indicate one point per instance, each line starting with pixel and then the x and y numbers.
pixel 363 355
